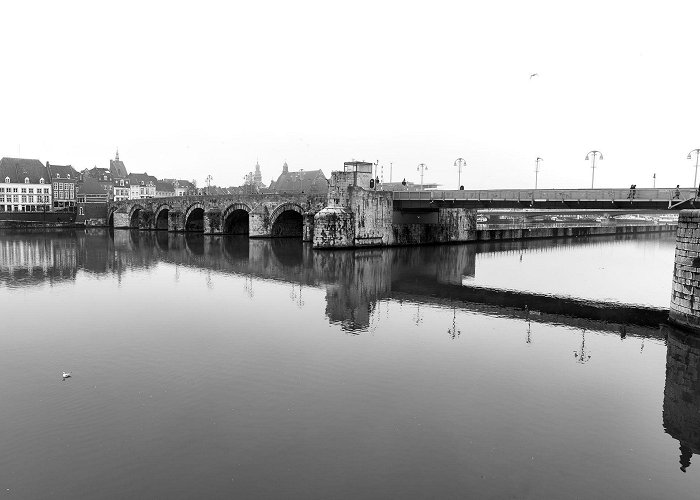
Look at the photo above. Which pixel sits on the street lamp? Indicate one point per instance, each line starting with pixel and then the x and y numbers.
pixel 209 179
pixel 421 167
pixel 537 169
pixel 594 153
pixel 697 153
pixel 459 163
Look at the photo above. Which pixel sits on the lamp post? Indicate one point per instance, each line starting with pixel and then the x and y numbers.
pixel 537 169
pixel 697 153
pixel 593 155
pixel 459 163
pixel 421 167
pixel 209 179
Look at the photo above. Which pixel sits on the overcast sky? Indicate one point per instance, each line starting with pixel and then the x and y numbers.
pixel 190 89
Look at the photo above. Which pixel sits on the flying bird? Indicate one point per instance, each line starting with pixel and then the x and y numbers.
pixel 534 74
pixel 66 375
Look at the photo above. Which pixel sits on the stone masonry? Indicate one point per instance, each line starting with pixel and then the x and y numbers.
pixel 685 296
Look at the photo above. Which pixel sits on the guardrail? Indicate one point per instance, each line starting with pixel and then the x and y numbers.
pixel 671 195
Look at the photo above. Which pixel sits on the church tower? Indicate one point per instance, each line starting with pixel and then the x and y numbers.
pixel 257 177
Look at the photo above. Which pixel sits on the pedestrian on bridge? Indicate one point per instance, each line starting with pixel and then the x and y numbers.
pixel 633 190
pixel 677 193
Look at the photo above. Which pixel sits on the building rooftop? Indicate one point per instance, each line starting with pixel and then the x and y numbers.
pixel 19 169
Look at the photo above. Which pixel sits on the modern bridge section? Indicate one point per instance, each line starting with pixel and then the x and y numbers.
pixel 253 215
pixel 580 199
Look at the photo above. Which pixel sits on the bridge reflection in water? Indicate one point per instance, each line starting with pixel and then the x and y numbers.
pixel 356 282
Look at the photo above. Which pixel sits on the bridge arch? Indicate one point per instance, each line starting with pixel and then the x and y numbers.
pixel 236 219
pixel 194 217
pixel 134 214
pixel 287 221
pixel 110 217
pixel 160 221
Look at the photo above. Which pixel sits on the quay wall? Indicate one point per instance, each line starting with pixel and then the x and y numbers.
pixel 567 232
pixel 685 295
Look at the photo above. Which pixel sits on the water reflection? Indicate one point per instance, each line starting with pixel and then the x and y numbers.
pixel 355 281
pixel 681 411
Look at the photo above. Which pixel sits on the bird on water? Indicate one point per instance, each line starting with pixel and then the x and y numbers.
pixel 66 375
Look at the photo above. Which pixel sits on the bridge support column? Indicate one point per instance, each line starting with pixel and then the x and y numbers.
pixel 213 223
pixel 176 221
pixel 685 296
pixel 308 230
pixel 121 220
pixel 146 220
pixel 334 227
pixel 259 225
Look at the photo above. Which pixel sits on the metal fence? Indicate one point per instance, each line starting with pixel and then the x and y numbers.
pixel 672 195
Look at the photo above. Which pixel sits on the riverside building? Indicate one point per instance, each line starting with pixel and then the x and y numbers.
pixel 24 186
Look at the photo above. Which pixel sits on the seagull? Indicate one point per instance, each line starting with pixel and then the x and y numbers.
pixel 534 74
pixel 66 375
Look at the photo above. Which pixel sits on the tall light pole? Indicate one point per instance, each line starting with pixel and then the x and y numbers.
pixel 697 153
pixel 537 169
pixel 459 163
pixel 593 153
pixel 209 179
pixel 654 177
pixel 421 167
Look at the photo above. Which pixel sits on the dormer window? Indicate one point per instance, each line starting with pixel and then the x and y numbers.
pixel 58 176
pixel 26 180
pixel 7 179
pixel 41 181
pixel 69 176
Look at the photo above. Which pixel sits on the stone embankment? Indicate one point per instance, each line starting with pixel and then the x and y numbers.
pixel 685 297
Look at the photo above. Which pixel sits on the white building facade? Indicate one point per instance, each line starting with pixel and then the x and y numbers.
pixel 25 186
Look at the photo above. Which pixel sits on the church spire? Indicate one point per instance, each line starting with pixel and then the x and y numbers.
pixel 117 156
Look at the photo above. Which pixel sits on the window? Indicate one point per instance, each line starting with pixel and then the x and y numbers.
pixel 2 190
pixel 121 182
pixel 26 180
pixel 2 198
pixel 24 198
pixel 58 176
pixel 55 186
pixel 68 176
pixel 41 181
pixel 14 190
pixel 31 190
pixel 7 179
pixel 81 211
pixel 24 190
pixel 30 199
pixel 46 190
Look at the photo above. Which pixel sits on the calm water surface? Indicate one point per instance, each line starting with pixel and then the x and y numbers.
pixel 221 367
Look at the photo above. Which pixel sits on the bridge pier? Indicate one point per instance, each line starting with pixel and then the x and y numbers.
pixel 685 296
pixel 213 223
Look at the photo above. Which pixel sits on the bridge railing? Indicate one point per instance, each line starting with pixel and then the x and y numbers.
pixel 643 194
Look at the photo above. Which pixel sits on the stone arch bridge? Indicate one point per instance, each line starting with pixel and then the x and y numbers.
pixel 255 215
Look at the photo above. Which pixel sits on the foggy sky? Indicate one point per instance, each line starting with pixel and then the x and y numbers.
pixel 185 90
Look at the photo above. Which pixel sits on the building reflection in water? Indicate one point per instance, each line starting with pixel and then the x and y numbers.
pixel 356 282
pixel 681 410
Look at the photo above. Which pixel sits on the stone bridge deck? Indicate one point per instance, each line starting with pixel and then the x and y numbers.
pixel 256 215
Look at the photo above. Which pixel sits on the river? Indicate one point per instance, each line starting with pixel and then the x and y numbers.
pixel 219 367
